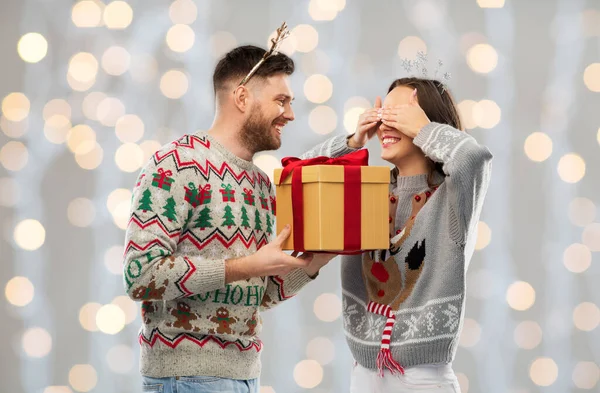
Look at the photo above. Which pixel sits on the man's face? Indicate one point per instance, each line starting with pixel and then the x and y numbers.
pixel 270 112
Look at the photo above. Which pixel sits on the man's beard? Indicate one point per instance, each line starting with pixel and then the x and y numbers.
pixel 257 134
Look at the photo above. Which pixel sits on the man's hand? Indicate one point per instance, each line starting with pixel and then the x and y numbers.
pixel 270 260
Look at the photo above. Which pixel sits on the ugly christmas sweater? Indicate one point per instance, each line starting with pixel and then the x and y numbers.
pixel 195 205
pixel 404 306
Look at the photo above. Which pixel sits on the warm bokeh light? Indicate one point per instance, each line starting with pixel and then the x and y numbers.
pixel 327 307
pixel 129 128
pixel 465 110
pixel 29 234
pixel 486 114
pixel 87 13
pixel 538 147
pixel 110 319
pixel 15 106
pixel 118 15
pixel 81 212
pixel 90 103
pixel 586 316
pixel 591 77
pixel 174 84
pixel 14 156
pixel 410 46
pixel 129 307
pixel 110 110
pixel 57 389
pixel 19 291
pixel 129 157
pixel 577 258
pixel 116 60
pixel 324 10
pixel 571 168
pixel 528 335
pixel 322 120
pixel 520 295
pixel 318 88
pixel 180 38
pixel 83 377
pixel 79 135
pixel 36 342
pixel 471 333
pixel 351 118
pixel 113 260
pixel 119 206
pixel 57 128
pixel 543 371
pixel 150 147
pixel 14 129
pixel 183 12
pixel 308 374
pixel 484 235
pixel 591 236
pixel 463 382
pixel 307 38
pixel 482 58
pixel 491 3
pixel 56 107
pixel 83 67
pixel 89 155
pixel 87 316
pixel 586 375
pixel 32 47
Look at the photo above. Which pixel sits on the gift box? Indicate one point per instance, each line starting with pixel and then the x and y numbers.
pixel 333 204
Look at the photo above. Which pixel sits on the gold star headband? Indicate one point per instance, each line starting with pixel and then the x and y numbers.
pixel 282 34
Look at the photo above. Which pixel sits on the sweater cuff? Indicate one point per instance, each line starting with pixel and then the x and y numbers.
pixel 294 281
pixel 440 141
pixel 204 276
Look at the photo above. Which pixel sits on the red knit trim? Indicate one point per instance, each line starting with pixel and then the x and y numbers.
pixel 224 240
pixel 154 221
pixel 210 167
pixel 157 335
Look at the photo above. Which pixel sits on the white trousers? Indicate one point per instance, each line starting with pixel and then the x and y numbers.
pixel 422 379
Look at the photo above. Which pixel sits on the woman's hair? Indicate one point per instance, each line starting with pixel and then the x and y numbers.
pixel 438 105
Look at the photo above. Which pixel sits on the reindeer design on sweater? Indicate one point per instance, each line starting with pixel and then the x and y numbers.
pixel 381 273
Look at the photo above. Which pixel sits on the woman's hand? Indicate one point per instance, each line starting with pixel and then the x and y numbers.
pixel 367 126
pixel 409 118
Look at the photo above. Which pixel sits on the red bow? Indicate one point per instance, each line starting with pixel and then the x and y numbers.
pixel 358 158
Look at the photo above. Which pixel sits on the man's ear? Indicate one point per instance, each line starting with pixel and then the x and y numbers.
pixel 241 98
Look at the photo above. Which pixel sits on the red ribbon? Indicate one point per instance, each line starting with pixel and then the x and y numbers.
pixel 352 194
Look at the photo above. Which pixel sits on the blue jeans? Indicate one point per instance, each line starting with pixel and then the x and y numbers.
pixel 198 385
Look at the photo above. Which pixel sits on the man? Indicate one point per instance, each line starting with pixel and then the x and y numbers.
pixel 197 254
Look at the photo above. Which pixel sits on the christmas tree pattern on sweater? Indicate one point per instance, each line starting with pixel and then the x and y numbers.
pixel 179 226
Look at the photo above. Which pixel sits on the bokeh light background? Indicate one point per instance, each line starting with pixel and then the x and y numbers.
pixel 90 89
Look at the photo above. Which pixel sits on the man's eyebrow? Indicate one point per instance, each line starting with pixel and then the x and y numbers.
pixel 286 96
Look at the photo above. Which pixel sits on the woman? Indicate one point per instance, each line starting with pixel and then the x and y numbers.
pixel 404 307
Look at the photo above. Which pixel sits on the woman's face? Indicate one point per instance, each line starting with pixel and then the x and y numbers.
pixel 395 146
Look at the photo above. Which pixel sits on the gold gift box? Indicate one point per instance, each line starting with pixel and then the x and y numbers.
pixel 323 190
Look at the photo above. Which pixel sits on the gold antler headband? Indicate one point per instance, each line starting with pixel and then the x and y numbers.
pixel 282 34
